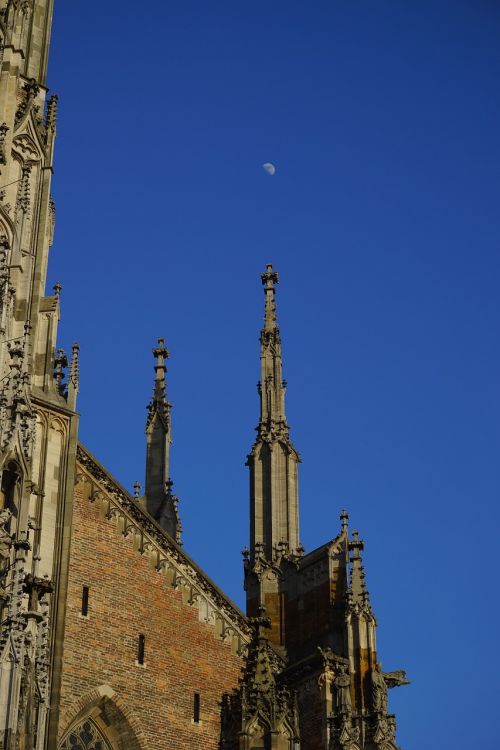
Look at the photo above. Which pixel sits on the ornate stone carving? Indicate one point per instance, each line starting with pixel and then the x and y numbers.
pixel 17 419
pixel 51 114
pixel 5 549
pixel 342 690
pixel 60 365
pixel 3 133
pixel 27 147
pixel 378 690
pixel 23 191
pixel 344 734
pixel 30 91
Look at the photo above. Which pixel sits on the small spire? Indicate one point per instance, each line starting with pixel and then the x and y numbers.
pixel 264 697
pixel 74 375
pixel 269 279
pixel 357 589
pixel 137 490
pixel 161 503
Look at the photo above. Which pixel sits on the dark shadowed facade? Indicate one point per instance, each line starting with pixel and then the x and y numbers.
pixel 112 637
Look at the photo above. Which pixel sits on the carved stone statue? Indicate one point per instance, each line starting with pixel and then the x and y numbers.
pixel 378 689
pixel 342 685
pixel 5 547
pixel 5 538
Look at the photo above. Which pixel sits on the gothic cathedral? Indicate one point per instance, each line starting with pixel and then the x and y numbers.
pixel 94 581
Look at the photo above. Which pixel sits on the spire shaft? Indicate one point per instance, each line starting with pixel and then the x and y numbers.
pixel 272 386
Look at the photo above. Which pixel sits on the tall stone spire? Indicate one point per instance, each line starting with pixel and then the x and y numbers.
pixel 160 502
pixel 273 460
pixel 274 499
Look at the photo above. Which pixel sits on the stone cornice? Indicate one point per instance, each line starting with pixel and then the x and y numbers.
pixel 183 574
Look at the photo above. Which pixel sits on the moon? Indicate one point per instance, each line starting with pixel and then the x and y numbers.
pixel 269 168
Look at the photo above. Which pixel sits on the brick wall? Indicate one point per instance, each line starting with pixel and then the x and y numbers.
pixel 128 597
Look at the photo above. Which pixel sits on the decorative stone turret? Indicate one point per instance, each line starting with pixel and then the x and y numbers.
pixel 161 503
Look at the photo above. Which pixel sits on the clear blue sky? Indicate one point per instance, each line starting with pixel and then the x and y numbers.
pixel 383 119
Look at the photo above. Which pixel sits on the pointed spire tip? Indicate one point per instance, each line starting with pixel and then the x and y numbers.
pixel 161 351
pixel 269 277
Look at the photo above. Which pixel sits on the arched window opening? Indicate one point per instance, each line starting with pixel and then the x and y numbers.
pixel 85 736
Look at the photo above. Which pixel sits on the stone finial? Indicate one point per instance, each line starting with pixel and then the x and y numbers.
pixel 344 520
pixel 57 289
pixel 161 354
pixel 269 279
pixel 159 401
pixel 137 490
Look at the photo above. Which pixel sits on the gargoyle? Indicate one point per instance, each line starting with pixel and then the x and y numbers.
pixel 395 679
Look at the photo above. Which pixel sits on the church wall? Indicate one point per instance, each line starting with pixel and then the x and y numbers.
pixel 128 597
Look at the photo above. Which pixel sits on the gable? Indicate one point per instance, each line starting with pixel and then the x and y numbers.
pixel 142 588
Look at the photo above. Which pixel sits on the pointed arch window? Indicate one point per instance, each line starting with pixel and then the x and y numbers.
pixel 85 736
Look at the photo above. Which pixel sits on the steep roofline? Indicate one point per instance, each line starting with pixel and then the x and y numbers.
pixel 130 507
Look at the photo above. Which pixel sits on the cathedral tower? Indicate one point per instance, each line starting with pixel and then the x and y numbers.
pixel 38 423
pixel 316 605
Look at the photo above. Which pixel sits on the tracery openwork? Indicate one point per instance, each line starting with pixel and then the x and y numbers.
pixel 85 736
